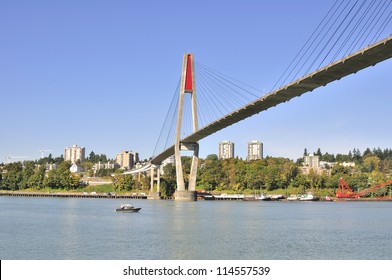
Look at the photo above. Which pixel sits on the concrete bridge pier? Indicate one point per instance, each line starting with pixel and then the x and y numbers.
pixel 155 194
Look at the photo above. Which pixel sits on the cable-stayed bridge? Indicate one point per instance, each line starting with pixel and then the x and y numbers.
pixel 364 58
pixel 346 26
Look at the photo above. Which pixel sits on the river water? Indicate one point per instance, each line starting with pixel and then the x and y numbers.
pixel 90 229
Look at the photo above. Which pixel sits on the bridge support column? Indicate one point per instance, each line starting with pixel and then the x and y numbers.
pixel 155 194
pixel 188 85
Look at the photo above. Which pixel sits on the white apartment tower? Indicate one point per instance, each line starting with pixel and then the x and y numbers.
pixel 226 150
pixel 312 161
pixel 74 153
pixel 255 150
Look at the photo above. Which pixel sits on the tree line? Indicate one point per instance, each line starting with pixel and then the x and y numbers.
pixel 272 174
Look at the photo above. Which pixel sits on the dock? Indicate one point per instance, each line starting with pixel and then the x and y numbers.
pixel 75 195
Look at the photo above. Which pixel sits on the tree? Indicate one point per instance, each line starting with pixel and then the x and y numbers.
pixel 210 173
pixel 371 163
pixel 91 156
pixel 212 157
pixel 255 175
pixel 357 155
pixel 123 182
pixel 62 178
pixel 168 182
pixel 27 172
pixel 328 157
pixel 37 179
pixel 11 180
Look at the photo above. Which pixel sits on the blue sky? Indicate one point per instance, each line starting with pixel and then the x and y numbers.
pixel 101 74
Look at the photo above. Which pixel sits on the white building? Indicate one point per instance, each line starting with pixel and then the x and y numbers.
pixel 105 165
pixel 226 150
pixel 74 153
pixel 75 168
pixel 312 161
pixel 255 150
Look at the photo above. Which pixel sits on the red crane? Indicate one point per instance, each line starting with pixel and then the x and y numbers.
pixel 344 190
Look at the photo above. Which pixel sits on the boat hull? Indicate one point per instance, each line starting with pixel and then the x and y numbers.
pixel 128 210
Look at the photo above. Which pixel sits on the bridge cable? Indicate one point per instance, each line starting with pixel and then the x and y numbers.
pixel 224 91
pixel 166 117
pixel 321 34
pixel 358 42
pixel 350 33
pixel 358 29
pixel 303 47
pixel 383 26
pixel 342 32
pixel 378 17
pixel 221 93
pixel 330 38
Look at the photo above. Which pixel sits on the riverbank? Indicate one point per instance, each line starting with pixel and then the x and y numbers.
pixel 144 196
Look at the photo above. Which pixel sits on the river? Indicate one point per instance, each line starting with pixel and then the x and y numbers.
pixel 90 229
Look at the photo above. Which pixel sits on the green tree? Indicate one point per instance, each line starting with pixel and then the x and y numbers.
pixel 255 175
pixel 123 182
pixel 36 180
pixel 371 163
pixel 210 174
pixel 11 180
pixel 168 183
pixel 27 172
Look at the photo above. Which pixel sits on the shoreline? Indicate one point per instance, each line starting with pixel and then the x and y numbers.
pixel 144 196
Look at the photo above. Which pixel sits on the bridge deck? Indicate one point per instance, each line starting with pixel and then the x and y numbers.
pixel 364 58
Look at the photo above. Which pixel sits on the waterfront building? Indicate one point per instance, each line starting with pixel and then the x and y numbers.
pixel 74 153
pixel 226 150
pixel 255 150
pixel 127 159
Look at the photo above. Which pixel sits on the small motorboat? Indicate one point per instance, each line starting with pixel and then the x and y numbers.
pixel 293 197
pixel 308 197
pixel 127 208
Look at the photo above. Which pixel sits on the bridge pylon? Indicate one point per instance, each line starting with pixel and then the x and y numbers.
pixel 155 194
pixel 188 85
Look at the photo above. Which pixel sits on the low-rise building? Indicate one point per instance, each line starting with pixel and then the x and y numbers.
pixel 105 165
pixel 76 168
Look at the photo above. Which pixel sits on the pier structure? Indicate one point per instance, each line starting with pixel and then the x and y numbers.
pixel 155 194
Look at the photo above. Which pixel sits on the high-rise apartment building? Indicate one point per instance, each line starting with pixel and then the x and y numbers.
pixel 226 150
pixel 127 159
pixel 255 150
pixel 74 153
pixel 312 161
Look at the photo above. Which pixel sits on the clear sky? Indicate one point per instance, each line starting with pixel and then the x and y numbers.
pixel 101 74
